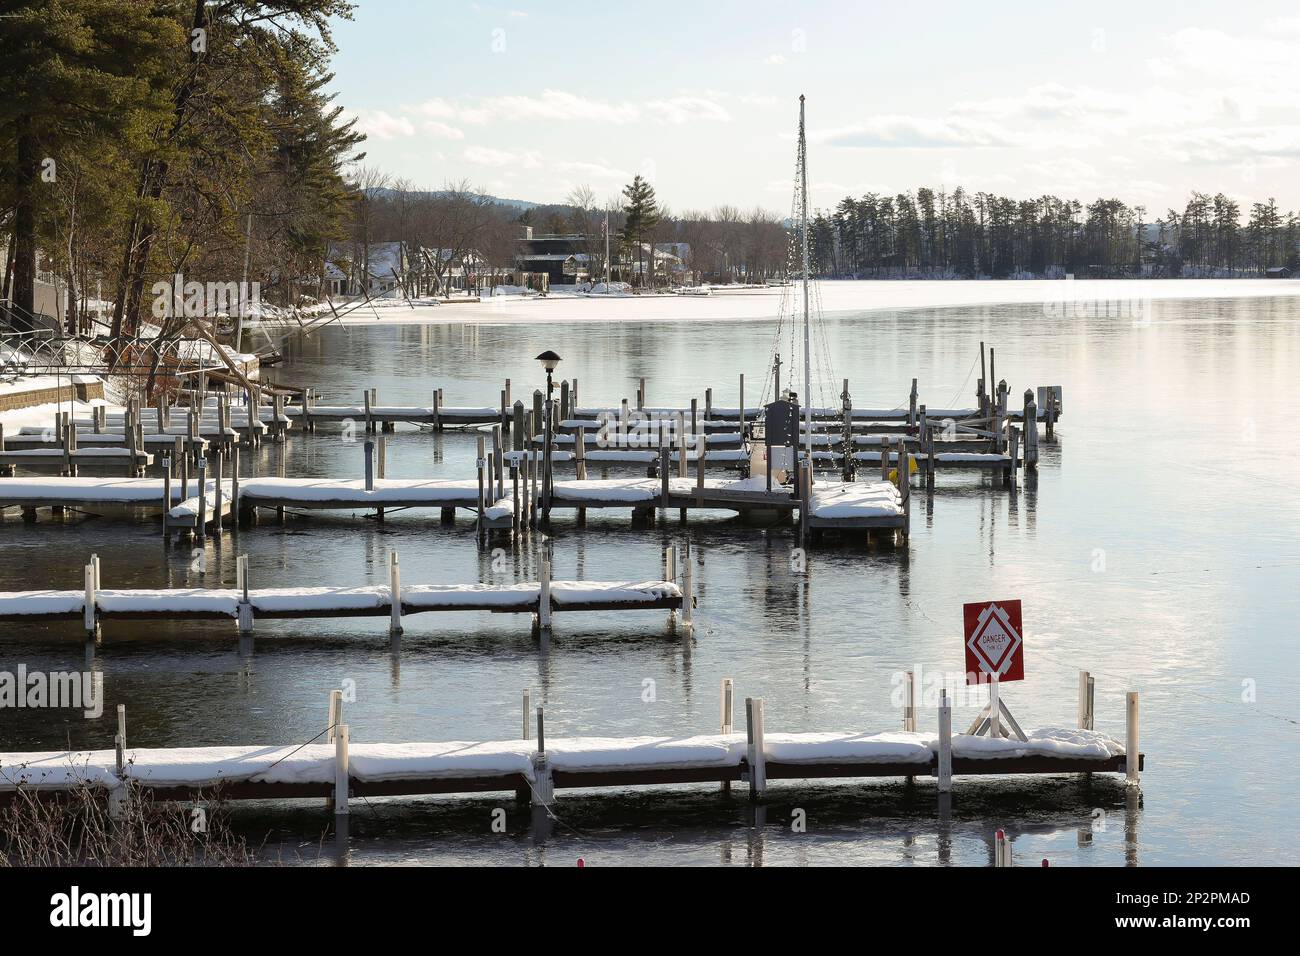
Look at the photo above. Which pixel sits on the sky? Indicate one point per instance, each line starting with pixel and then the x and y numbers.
pixel 1133 100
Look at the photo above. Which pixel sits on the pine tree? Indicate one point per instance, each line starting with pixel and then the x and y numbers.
pixel 76 73
pixel 642 216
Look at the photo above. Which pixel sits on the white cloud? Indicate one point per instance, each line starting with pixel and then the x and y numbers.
pixel 501 158
pixel 440 129
pixel 913 132
pixel 1229 144
pixel 684 109
pixel 593 170
pixel 382 125
pixel 562 106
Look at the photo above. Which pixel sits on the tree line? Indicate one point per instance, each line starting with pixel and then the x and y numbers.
pixel 934 233
pixel 141 140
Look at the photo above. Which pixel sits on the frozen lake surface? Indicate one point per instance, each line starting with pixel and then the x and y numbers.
pixel 1159 549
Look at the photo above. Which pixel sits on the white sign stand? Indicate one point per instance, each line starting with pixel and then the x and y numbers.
pixel 990 718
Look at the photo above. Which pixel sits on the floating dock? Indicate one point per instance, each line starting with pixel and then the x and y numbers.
pixel 534 769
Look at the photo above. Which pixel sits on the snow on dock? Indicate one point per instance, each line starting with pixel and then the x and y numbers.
pixel 463 766
pixel 207 603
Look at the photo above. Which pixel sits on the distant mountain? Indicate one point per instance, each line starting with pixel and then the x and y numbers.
pixel 520 204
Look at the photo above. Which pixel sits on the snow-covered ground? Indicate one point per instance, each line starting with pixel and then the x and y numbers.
pixel 1059 298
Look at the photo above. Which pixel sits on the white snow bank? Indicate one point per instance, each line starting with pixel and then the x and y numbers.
pixel 1043 742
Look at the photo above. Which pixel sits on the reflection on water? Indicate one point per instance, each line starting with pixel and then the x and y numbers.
pixel 1156 548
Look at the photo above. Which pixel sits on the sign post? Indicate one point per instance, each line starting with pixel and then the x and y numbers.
pixel 995 652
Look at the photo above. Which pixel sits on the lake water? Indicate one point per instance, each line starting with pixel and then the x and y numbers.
pixel 1158 548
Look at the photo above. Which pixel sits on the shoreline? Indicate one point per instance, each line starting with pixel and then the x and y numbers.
pixel 1125 298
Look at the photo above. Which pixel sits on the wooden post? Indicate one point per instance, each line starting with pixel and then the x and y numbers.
pixel 911 406
pixel 531 472
pixel 1132 752
pixel 1013 451
pixel 516 522
pixel 528 710
pixel 167 491
pixel 670 574
pixel 701 454
pixel 728 716
pixel 580 455
pixel 688 595
pixel 640 396
pixel 201 527
pixel 905 487
pixel 245 605
pixel 944 769
pixel 681 447
pixel 234 489
pixel 756 754
pixel 541 730
pixel 369 449
pixel 909 703
pixel 132 450
pixel 437 409
pixel 1001 849
pixel 120 739
pixel 538 420
pixel 708 405
pixel 341 771
pixel 564 401
pixel 1031 431
pixel 1086 697
pixel 505 412
pixel 217 500
pixel 381 456
pixel 91 615
pixel 742 406
pixel 481 465
pixel 370 424
pixel 664 489
pixel 544 597
pixel 335 716
pixel 517 430
pixel 728 705
pixel 394 595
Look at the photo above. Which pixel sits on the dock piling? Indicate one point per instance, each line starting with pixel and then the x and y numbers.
pixel 544 599
pixel 688 595
pixel 245 605
pixel 944 770
pixel 341 771
pixel 1087 687
pixel 1132 754
pixel 756 753
pixel 1030 421
pixel 394 595
pixel 528 710
pixel 369 451
pixel 728 694
pixel 1001 849
pixel 91 616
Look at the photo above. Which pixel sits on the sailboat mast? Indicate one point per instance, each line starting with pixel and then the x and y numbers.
pixel 803 230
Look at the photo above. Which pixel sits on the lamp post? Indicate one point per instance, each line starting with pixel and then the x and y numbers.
pixel 549 361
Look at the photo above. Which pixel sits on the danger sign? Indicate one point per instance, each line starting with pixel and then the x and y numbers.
pixel 994 641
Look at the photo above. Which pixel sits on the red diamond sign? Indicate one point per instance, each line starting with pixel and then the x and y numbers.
pixel 994 644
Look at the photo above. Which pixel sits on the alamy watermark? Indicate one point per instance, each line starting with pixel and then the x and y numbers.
pixel 1077 300
pixel 176 298
pixel 34 690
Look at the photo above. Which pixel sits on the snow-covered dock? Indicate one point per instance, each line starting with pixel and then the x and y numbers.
pixel 92 604
pixel 341 768
pixel 876 505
